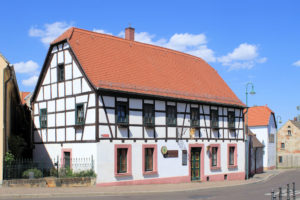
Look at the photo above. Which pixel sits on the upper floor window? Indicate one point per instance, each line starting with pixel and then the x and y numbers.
pixel 149 114
pixel 60 73
pixel 122 113
pixel 43 118
pixel 79 114
pixel 195 117
pixel 282 146
pixel 171 116
pixel 214 118
pixel 231 119
pixel 289 132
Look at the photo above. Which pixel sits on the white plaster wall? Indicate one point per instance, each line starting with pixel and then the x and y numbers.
pixel 261 133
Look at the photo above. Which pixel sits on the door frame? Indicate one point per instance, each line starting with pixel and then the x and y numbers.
pixel 201 160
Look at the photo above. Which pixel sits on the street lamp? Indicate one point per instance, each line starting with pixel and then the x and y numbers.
pixel 252 92
pixel 279 121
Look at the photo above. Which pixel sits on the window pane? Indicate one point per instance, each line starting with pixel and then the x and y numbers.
pixel 148 114
pixel 171 115
pixel 67 159
pixel 122 160
pixel 214 118
pixel 231 155
pixel 149 159
pixel 122 114
pixel 214 156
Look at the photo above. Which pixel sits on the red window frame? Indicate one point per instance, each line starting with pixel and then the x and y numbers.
pixel 235 156
pixel 129 159
pixel 154 146
pixel 218 167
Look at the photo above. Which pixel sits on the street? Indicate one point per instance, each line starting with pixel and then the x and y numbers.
pixel 257 191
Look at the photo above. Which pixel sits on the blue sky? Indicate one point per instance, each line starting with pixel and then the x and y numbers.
pixel 244 41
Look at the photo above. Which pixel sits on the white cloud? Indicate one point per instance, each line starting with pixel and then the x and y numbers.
pixel 49 31
pixel 26 67
pixel 182 41
pixel 204 52
pixel 31 81
pixel 101 31
pixel 297 63
pixel 245 56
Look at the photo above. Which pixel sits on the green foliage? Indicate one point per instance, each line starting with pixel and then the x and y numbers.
pixel 16 145
pixel 37 173
pixel 53 172
pixel 9 158
pixel 67 172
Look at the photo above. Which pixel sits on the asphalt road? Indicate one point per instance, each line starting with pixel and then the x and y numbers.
pixel 254 191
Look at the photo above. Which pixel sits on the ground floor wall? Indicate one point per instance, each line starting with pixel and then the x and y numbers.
pixel 174 167
pixel 288 160
pixel 256 161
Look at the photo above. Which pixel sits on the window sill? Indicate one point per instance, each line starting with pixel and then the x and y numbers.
pixel 232 166
pixel 149 172
pixel 123 174
pixel 215 168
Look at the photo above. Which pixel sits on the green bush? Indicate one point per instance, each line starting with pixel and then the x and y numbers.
pixel 37 173
pixel 86 173
pixel 53 172
pixel 9 158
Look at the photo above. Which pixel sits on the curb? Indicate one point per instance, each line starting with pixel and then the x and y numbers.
pixel 57 195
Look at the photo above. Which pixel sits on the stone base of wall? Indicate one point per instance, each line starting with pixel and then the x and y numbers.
pixel 51 182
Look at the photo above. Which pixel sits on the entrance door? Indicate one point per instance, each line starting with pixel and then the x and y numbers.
pixel 195 164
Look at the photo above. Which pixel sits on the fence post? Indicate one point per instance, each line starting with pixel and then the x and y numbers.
pixel 288 192
pixel 92 163
pixel 294 191
pixel 280 194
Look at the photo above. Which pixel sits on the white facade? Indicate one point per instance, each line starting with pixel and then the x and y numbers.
pixel 99 134
pixel 265 134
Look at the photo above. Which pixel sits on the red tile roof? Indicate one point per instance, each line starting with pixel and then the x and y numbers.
pixel 115 63
pixel 23 96
pixel 259 115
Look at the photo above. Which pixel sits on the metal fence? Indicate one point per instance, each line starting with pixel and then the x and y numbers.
pixel 28 168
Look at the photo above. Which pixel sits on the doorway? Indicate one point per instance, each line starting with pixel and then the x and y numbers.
pixel 195 163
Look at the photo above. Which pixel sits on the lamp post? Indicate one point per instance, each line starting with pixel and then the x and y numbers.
pixel 252 92
pixel 279 121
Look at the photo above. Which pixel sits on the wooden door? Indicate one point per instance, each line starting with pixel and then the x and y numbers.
pixel 195 164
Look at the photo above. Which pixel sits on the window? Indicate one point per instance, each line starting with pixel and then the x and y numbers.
pixel 79 114
pixel 282 146
pixel 149 159
pixel 148 114
pixel 171 116
pixel 214 118
pixel 122 113
pixel 60 73
pixel 195 117
pixel 122 160
pixel 271 138
pixel 289 132
pixel 214 156
pixel 231 119
pixel 231 155
pixel 43 118
pixel 280 159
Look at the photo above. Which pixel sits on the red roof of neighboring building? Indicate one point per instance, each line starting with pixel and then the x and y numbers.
pixel 118 64
pixel 23 95
pixel 259 115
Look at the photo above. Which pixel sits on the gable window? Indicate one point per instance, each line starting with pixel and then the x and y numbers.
pixel 43 118
pixel 195 117
pixel 149 114
pixel 122 113
pixel 171 116
pixel 79 114
pixel 231 119
pixel 122 160
pixel 214 118
pixel 214 156
pixel 60 73
pixel 289 132
pixel 282 146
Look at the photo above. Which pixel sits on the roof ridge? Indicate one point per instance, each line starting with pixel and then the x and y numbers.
pixel 139 43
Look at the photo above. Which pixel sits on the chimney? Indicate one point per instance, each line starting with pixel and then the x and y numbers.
pixel 129 33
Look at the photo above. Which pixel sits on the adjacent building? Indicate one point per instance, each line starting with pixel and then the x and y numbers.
pixel 146 114
pixel 256 150
pixel 14 125
pixel 288 145
pixel 261 122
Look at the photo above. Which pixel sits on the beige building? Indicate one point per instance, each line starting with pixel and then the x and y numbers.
pixel 14 116
pixel 288 148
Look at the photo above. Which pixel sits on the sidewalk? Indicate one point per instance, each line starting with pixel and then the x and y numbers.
pixel 21 192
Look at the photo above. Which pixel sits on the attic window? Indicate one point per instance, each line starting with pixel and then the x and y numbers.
pixel 289 132
pixel 60 73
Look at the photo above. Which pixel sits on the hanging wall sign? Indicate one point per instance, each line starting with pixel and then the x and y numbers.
pixel 172 154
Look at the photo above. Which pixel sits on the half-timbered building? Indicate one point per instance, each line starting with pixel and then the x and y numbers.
pixel 146 114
